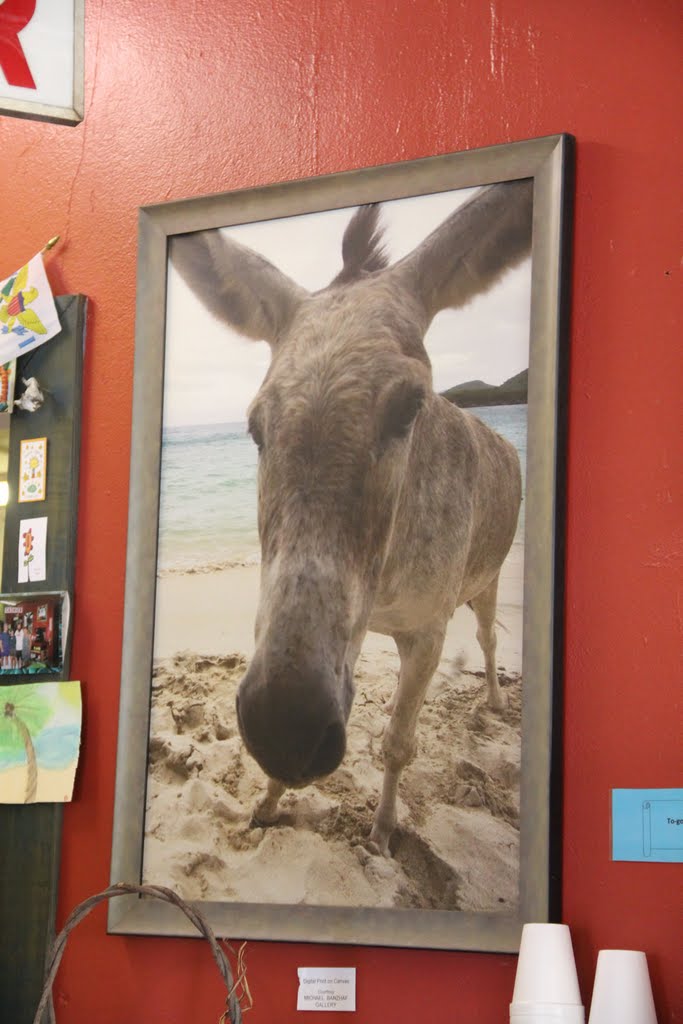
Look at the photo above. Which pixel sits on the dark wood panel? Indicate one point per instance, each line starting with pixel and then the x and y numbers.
pixel 28 902
pixel 30 835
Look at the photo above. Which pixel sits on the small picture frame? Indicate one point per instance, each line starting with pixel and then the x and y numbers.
pixel 33 469
pixel 34 634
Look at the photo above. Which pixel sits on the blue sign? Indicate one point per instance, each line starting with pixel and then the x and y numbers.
pixel 647 824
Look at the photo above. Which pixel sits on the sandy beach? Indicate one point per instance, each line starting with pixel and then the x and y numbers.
pixel 54 785
pixel 457 843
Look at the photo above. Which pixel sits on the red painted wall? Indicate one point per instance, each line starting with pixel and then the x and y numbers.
pixel 206 97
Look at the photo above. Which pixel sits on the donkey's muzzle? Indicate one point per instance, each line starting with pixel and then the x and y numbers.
pixel 292 723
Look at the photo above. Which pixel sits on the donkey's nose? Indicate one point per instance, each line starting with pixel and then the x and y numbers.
pixel 328 753
pixel 292 723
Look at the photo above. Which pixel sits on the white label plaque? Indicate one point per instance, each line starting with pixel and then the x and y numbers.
pixel 326 988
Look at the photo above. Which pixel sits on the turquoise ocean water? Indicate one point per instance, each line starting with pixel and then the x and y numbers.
pixel 207 514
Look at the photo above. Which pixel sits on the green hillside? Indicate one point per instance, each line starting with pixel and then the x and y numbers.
pixel 476 392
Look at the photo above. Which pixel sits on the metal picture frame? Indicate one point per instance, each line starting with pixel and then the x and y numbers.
pixel 549 163
pixel 20 101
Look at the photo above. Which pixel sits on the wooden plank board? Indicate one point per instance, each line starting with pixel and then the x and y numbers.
pixel 30 834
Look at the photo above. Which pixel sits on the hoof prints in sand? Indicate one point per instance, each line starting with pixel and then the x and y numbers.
pixel 457 843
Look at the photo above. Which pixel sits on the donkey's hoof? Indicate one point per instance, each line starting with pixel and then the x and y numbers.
pixel 376 850
pixel 497 703
pixel 378 843
pixel 264 815
pixel 258 821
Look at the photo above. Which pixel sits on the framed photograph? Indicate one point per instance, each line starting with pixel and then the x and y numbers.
pixel 34 632
pixel 340 670
pixel 41 60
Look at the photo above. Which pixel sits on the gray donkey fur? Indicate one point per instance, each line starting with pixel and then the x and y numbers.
pixel 381 506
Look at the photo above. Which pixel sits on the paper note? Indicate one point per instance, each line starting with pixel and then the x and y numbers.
pixel 32 548
pixel 40 738
pixel 647 824
pixel 326 988
pixel 32 469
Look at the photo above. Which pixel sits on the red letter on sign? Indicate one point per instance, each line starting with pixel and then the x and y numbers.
pixel 15 15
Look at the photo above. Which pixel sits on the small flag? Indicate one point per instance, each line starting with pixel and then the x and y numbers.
pixel 28 316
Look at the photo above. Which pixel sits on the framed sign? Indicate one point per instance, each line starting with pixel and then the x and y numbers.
pixel 41 59
pixel 341 649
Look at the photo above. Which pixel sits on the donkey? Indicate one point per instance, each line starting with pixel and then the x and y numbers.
pixel 381 506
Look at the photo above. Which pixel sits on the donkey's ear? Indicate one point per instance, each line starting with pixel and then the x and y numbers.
pixel 473 247
pixel 237 285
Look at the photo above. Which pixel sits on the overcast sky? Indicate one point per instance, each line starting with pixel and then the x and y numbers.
pixel 212 373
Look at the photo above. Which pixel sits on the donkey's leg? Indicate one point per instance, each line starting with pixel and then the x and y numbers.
pixel 266 812
pixel 484 607
pixel 420 653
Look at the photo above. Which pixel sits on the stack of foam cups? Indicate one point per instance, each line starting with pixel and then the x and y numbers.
pixel 546 985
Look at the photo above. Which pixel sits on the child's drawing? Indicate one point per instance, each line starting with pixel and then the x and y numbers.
pixel 32 549
pixel 32 469
pixel 40 736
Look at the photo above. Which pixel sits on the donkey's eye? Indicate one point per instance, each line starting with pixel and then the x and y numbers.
pixel 400 409
pixel 256 433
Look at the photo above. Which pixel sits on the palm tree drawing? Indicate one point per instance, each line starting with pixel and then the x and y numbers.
pixel 24 712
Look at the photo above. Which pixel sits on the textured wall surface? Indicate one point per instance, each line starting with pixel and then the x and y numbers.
pixel 206 97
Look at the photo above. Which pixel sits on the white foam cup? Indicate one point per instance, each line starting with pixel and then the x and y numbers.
pixel 622 993
pixel 546 972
